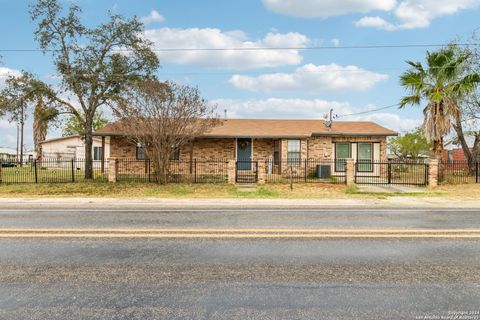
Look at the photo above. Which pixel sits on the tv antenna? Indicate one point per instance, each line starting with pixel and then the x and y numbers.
pixel 329 117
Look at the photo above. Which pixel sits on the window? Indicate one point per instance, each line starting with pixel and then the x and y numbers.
pixel 140 153
pixel 175 155
pixel 97 153
pixel 365 157
pixel 293 148
pixel 276 149
pixel 342 152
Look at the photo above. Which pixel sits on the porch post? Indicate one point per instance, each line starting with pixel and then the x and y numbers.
pixel 350 172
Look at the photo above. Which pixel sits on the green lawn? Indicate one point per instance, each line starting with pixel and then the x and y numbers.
pixel 26 174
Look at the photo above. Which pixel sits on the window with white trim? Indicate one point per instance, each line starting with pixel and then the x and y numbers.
pixel 293 151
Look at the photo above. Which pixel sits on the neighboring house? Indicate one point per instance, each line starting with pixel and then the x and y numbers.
pixel 281 141
pixel 8 154
pixel 453 150
pixel 73 147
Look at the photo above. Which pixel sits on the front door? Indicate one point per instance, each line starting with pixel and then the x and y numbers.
pixel 244 154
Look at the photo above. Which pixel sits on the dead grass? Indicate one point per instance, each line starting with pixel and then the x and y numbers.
pixel 269 191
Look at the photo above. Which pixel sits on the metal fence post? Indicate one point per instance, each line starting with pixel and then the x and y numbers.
pixel 149 164
pixel 389 169
pixel 195 164
pixel 73 172
pixel 476 171
pixel 35 170
pixel 305 170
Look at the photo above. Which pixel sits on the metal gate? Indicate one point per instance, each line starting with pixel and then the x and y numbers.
pixel 246 171
pixel 391 172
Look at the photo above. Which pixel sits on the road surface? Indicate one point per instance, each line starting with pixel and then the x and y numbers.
pixel 239 264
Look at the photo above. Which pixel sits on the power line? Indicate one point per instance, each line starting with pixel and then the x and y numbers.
pixel 369 111
pixel 273 48
pixel 340 70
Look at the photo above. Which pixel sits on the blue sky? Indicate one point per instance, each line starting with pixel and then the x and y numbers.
pixel 300 84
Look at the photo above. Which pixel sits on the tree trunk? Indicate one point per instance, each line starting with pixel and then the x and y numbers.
pixel 466 150
pixel 88 149
pixel 438 149
pixel 39 128
pixel 161 167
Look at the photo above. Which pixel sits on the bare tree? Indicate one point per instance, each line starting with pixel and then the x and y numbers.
pixel 162 117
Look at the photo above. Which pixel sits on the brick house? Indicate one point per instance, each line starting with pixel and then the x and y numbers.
pixel 281 142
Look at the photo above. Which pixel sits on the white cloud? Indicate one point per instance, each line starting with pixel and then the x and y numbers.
pixel 412 14
pixel 312 78
pixel 326 8
pixel 390 120
pixel 274 108
pixel 280 108
pixel 335 42
pixel 375 22
pixel 4 124
pixel 5 73
pixel 154 16
pixel 211 38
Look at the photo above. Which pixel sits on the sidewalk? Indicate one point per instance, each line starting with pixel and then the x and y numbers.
pixel 155 203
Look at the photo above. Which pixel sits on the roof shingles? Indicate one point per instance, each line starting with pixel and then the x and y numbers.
pixel 267 128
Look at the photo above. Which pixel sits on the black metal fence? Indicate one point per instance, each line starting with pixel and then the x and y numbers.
pixel 50 171
pixel 308 170
pixel 391 172
pixel 179 171
pixel 458 171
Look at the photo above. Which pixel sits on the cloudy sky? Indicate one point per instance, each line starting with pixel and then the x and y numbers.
pixel 346 55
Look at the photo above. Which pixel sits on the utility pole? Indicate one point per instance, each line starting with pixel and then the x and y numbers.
pixel 18 129
pixel 22 122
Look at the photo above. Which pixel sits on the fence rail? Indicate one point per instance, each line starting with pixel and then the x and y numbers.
pixel 50 171
pixel 391 172
pixel 458 172
pixel 179 171
pixel 308 170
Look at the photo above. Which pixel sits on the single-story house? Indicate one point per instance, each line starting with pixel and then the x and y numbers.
pixel 73 147
pixel 280 141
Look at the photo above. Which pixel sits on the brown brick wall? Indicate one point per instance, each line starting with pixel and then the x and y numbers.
pixel 262 149
pixel 317 148
pixel 320 148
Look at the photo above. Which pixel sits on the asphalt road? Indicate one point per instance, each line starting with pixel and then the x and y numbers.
pixel 239 264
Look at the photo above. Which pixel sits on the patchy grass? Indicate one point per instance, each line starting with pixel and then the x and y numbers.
pixel 272 191
pixel 147 190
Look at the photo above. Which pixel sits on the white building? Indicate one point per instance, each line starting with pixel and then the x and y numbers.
pixel 73 147
pixel 9 154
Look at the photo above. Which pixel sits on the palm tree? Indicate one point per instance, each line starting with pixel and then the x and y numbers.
pixel 42 116
pixel 20 93
pixel 443 83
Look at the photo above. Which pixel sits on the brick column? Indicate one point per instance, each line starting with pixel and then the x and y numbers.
pixel 262 172
pixel 112 170
pixel 350 172
pixel 433 172
pixel 231 171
